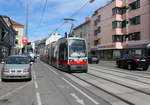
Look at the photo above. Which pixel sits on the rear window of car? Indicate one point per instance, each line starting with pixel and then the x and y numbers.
pixel 17 60
pixel 135 56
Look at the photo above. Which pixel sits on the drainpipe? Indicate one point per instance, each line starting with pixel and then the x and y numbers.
pixel 127 19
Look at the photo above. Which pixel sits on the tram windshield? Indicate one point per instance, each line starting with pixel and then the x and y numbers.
pixel 77 48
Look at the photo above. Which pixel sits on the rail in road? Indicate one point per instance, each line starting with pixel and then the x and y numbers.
pixel 143 74
pixel 122 75
pixel 130 94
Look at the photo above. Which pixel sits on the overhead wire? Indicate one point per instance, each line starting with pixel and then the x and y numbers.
pixel 42 15
pixel 75 13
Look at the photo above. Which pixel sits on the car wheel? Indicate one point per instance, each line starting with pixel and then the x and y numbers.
pixel 130 67
pixel 29 79
pixel 3 80
pixel 145 68
pixel 118 65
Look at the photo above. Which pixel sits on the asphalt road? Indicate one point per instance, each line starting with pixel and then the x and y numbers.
pixel 102 85
pixel 46 88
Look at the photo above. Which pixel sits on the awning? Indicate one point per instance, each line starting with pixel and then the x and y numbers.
pixel 136 45
pixel 148 46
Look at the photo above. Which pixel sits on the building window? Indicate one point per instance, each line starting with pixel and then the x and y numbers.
pixel 117 24
pixel 135 36
pixel 118 10
pixel 117 38
pixel 16 41
pixel 135 21
pixel 96 42
pixel 97 31
pixel 135 5
pixel 130 37
pixel 97 20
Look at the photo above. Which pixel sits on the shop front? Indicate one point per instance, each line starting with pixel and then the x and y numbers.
pixel 114 51
pixel 140 49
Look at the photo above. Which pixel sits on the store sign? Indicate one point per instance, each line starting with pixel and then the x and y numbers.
pixel 24 40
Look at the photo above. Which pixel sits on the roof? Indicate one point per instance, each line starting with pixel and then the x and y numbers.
pixel 18 55
pixel 16 23
pixel 108 3
pixel 4 16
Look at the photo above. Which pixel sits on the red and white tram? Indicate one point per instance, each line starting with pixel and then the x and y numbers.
pixel 68 54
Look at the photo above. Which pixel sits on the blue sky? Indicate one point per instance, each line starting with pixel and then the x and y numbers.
pixel 55 12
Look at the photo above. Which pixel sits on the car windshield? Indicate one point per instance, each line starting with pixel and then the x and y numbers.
pixel 17 60
pixel 77 48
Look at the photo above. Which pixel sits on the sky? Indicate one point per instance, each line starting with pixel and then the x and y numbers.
pixel 45 16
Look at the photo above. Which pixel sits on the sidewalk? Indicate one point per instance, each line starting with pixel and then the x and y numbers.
pixel 107 63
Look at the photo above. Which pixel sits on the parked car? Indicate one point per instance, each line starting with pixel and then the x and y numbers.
pixel 32 56
pixel 93 59
pixel 132 62
pixel 16 67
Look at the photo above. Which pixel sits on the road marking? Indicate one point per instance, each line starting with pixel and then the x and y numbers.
pixel 80 101
pixel 39 102
pixel 34 76
pixel 14 91
pixel 0 80
pixel 53 71
pixel 35 84
pixel 95 102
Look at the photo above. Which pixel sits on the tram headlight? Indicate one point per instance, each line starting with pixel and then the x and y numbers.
pixel 71 60
pixel 84 60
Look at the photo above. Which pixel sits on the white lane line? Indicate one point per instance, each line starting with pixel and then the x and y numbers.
pixel 39 102
pixel 0 80
pixel 14 91
pixel 35 84
pixel 34 76
pixel 95 102
pixel 53 71
pixel 80 101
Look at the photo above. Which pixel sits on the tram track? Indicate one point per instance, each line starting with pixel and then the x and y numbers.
pixel 99 88
pixel 120 76
pixel 86 78
pixel 120 84
pixel 139 92
pixel 112 94
pixel 118 71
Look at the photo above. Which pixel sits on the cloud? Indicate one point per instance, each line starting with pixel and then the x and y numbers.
pixel 56 11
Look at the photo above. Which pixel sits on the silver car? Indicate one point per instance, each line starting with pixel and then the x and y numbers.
pixel 16 67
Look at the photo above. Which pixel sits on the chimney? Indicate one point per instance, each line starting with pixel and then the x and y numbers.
pixel 87 19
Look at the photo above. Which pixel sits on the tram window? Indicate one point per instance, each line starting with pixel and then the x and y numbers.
pixel 77 48
pixel 63 52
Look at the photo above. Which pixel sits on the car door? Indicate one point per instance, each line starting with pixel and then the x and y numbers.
pixel 124 60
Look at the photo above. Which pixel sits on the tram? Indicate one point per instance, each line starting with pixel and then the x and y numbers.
pixel 68 54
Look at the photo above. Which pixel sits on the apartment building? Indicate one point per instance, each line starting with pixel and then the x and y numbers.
pixel 19 38
pixel 84 31
pixel 7 37
pixel 121 27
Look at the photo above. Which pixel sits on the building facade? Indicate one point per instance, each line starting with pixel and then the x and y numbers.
pixel 7 37
pixel 121 27
pixel 19 38
pixel 84 31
